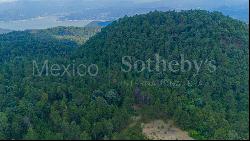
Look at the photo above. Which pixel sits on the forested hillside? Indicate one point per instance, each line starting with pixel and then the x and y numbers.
pixel 77 34
pixel 207 97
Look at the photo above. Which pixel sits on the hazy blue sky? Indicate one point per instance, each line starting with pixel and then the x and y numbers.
pixel 21 9
pixel 12 12
pixel 3 1
pixel 184 1
pixel 179 4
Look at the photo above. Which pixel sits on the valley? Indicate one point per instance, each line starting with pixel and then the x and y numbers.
pixel 41 23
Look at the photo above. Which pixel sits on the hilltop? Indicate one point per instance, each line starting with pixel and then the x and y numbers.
pixel 203 89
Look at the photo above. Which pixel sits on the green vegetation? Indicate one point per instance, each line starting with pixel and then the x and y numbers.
pixel 98 24
pixel 131 133
pixel 215 106
pixel 77 34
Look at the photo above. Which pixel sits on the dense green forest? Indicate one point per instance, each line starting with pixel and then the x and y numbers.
pixel 214 104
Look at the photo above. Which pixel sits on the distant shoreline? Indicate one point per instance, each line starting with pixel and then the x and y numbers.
pixel 41 23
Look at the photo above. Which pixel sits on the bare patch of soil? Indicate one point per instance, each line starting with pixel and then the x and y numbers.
pixel 159 130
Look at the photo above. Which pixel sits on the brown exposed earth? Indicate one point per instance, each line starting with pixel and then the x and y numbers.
pixel 160 130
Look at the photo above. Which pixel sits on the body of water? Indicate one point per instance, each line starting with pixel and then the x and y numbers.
pixel 41 23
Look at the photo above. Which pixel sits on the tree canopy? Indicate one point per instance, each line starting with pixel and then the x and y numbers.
pixel 209 105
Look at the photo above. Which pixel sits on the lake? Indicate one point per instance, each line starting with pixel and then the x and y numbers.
pixel 41 23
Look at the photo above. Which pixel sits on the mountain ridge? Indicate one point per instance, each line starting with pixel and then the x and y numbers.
pixel 214 106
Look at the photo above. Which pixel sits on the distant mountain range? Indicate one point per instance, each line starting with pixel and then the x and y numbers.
pixel 113 9
pixel 2 31
pixel 98 24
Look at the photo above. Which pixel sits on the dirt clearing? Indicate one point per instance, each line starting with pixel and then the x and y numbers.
pixel 160 130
